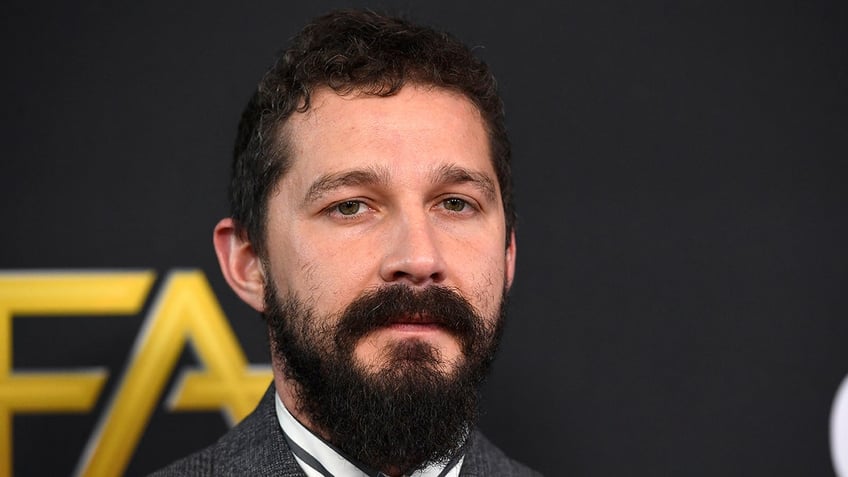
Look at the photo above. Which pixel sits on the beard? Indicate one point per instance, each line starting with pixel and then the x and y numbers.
pixel 414 409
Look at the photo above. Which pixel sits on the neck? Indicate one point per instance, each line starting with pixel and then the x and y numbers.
pixel 287 389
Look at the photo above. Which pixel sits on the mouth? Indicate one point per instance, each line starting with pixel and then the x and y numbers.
pixel 415 323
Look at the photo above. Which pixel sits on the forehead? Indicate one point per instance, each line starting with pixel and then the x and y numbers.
pixel 419 125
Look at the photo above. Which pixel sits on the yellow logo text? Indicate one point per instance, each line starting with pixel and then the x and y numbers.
pixel 184 311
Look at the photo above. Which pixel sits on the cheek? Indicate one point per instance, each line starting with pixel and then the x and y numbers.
pixel 483 276
pixel 330 271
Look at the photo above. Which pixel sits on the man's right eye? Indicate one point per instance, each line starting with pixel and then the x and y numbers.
pixel 349 207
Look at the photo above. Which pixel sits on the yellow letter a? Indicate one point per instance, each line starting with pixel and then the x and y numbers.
pixel 185 309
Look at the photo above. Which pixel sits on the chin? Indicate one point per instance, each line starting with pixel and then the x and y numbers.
pixel 398 355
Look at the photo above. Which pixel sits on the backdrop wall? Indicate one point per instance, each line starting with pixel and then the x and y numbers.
pixel 680 304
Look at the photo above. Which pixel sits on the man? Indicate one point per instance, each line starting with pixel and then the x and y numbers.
pixel 372 226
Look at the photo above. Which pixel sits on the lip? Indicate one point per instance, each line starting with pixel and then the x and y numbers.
pixel 415 322
pixel 414 319
pixel 415 327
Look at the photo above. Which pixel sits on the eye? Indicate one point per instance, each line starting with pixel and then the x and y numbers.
pixel 349 207
pixel 454 205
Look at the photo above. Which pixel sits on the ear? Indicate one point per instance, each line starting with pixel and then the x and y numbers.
pixel 240 264
pixel 510 260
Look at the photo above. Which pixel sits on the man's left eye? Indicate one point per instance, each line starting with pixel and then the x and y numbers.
pixel 455 205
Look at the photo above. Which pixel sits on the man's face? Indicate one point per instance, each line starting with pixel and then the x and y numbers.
pixel 389 191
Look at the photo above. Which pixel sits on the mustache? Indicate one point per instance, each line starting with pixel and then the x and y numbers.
pixel 393 304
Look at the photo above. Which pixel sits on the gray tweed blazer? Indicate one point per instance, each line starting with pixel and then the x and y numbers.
pixel 256 447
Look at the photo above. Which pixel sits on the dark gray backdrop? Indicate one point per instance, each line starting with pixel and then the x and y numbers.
pixel 680 306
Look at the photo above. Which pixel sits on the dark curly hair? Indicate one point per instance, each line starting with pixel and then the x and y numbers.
pixel 353 51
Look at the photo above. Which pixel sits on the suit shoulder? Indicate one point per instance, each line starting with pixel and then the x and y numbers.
pixel 484 458
pixel 207 461
pixel 254 447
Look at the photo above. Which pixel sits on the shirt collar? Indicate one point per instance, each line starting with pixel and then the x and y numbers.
pixel 318 458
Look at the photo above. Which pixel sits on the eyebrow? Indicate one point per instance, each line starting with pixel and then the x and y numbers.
pixel 357 177
pixel 453 174
pixel 446 174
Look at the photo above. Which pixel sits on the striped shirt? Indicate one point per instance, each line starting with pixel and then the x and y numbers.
pixel 319 458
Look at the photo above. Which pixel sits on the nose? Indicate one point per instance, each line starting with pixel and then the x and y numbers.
pixel 412 254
